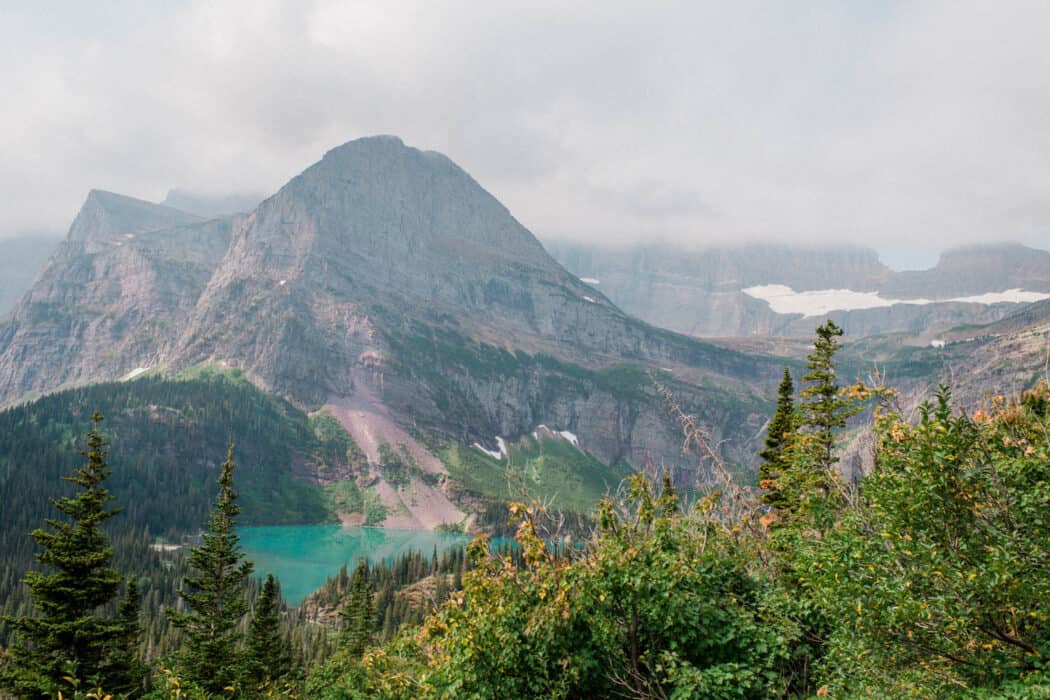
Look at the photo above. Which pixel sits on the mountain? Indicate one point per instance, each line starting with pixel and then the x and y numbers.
pixel 387 286
pixel 783 290
pixel 21 258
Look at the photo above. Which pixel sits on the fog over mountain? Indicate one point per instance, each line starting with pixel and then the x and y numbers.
pixel 910 128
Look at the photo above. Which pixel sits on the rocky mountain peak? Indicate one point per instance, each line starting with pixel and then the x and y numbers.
pixel 377 219
pixel 106 215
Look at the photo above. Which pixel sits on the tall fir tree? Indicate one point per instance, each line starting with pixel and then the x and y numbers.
pixel 214 596
pixel 267 656
pixel 70 637
pixel 359 612
pixel 824 409
pixel 778 439
pixel 125 662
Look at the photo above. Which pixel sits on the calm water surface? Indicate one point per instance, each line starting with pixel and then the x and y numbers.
pixel 303 556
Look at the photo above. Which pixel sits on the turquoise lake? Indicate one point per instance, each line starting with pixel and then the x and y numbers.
pixel 303 556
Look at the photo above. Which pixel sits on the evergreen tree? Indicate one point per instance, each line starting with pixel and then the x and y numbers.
pixel 268 657
pixel 124 662
pixel 778 437
pixel 214 596
pixel 359 612
pixel 824 409
pixel 70 637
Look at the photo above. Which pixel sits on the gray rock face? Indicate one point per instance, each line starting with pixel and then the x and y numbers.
pixel 699 292
pixel 106 215
pixel 110 296
pixel 383 264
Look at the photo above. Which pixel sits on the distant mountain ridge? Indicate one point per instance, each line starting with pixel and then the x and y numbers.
pixel 703 292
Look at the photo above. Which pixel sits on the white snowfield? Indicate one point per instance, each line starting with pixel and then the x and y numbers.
pixel 501 443
pixel 785 300
pixel 589 280
pixel 134 373
pixel 571 437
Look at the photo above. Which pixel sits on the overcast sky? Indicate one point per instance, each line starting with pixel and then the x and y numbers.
pixel 906 126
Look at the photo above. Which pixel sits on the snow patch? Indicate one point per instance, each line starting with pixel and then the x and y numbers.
pixel 129 236
pixel 1009 296
pixel 543 431
pixel 590 299
pixel 282 283
pixel 785 300
pixel 589 280
pixel 571 437
pixel 500 454
pixel 134 373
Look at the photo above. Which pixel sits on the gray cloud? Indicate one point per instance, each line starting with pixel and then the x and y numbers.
pixel 902 126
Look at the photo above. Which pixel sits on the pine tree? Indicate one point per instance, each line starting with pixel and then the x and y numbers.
pixel 124 663
pixel 267 654
pixel 778 437
pixel 214 596
pixel 824 409
pixel 70 637
pixel 359 612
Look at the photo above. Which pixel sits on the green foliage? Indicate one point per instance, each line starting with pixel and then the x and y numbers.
pixel 651 608
pixel 267 657
pixel 214 596
pixel 69 637
pixel 807 487
pixel 778 440
pixel 129 672
pixel 359 613
pixel 375 511
pixel 399 467
pixel 550 469
pixel 338 447
pixel 941 579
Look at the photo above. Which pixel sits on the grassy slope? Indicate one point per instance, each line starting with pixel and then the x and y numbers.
pixel 548 469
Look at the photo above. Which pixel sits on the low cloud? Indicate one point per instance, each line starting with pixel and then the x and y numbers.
pixel 899 126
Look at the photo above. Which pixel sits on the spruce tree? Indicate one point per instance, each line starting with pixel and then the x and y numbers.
pixel 824 409
pixel 124 662
pixel 359 612
pixel 70 637
pixel 214 596
pixel 267 654
pixel 778 438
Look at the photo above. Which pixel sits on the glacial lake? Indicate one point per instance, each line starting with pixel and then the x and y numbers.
pixel 302 557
